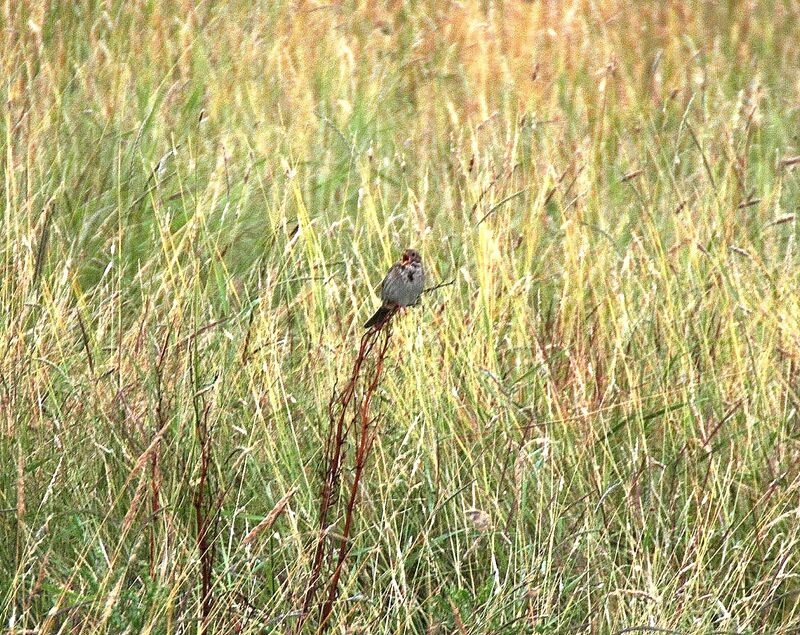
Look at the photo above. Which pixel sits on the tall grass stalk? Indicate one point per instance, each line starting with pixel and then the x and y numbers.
pixel 593 429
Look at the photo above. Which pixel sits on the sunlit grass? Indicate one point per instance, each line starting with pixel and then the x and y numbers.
pixel 593 428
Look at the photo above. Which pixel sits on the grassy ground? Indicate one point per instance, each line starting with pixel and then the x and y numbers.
pixel 594 428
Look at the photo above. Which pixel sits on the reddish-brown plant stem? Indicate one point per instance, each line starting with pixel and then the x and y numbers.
pixel 364 445
pixel 333 462
pixel 204 518
pixel 161 422
pixel 334 457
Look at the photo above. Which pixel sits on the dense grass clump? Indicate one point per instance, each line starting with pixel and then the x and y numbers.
pixel 593 428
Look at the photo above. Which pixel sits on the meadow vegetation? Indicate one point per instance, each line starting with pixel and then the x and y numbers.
pixel 594 428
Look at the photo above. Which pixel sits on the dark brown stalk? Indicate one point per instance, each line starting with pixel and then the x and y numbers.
pixel 206 505
pixel 155 506
pixel 366 435
pixel 334 457
pixel 204 518
pixel 161 424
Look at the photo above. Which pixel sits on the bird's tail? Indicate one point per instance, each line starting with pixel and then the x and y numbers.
pixel 381 315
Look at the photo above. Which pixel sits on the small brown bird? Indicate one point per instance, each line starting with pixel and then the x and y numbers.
pixel 401 287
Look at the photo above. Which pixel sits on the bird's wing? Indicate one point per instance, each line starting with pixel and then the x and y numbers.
pixel 383 283
pixel 389 286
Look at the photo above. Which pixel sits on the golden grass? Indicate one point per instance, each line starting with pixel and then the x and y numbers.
pixel 593 429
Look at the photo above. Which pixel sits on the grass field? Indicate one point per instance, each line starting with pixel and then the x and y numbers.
pixel 594 428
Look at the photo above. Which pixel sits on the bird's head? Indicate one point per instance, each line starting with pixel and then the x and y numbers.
pixel 410 256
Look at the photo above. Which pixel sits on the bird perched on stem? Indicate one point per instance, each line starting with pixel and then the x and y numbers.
pixel 401 287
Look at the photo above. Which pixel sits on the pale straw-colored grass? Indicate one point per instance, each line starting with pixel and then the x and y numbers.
pixel 594 428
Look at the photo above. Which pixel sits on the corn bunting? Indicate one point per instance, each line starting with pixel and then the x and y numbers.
pixel 401 287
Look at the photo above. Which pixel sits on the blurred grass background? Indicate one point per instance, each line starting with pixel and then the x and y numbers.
pixel 594 428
